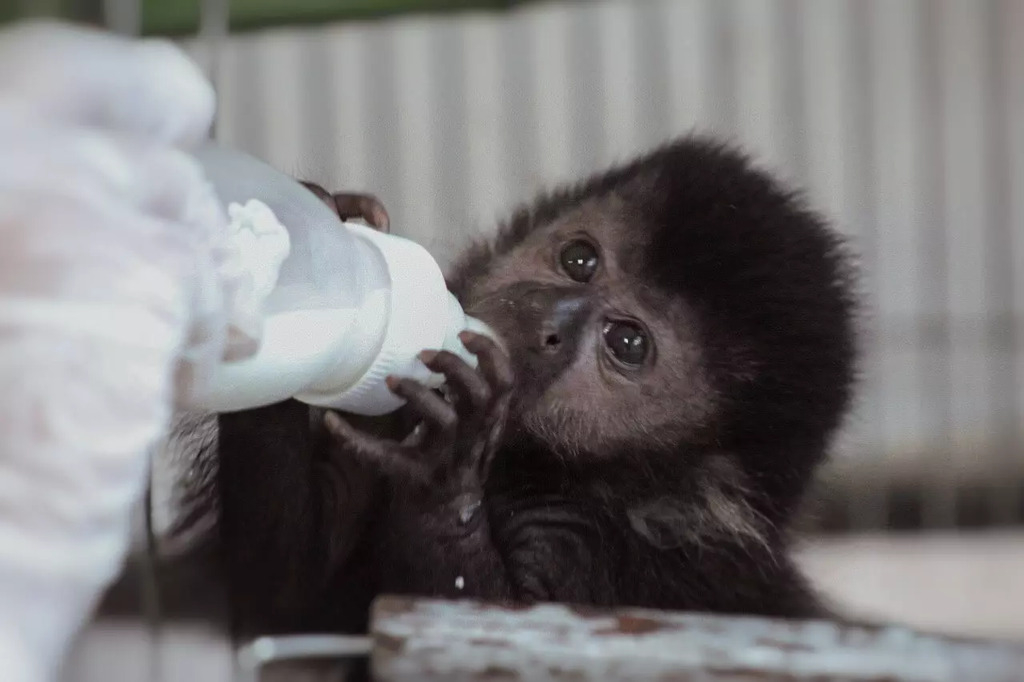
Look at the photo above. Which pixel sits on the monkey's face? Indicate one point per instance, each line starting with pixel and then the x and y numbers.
pixel 603 359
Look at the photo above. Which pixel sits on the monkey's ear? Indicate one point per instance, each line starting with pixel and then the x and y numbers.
pixel 350 205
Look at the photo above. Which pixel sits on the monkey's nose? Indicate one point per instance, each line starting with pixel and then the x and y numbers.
pixel 563 320
pixel 550 340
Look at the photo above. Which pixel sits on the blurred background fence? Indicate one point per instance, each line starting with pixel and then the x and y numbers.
pixel 904 121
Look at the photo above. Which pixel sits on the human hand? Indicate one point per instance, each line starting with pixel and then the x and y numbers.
pixel 113 269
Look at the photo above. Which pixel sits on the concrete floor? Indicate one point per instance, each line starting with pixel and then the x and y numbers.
pixel 970 584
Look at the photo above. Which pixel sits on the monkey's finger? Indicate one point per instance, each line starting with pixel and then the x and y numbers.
pixel 389 456
pixel 350 205
pixel 365 206
pixel 417 437
pixel 349 437
pixel 495 364
pixel 470 388
pixel 321 194
pixel 440 417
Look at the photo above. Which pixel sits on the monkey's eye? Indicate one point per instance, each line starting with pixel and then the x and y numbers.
pixel 579 260
pixel 627 342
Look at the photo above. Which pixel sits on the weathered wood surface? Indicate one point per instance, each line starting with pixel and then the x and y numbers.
pixel 423 640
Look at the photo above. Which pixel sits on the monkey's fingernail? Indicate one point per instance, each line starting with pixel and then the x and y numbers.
pixel 428 356
pixel 381 220
pixel 467 337
pixel 392 382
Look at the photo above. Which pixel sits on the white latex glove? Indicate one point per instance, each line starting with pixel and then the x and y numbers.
pixel 112 268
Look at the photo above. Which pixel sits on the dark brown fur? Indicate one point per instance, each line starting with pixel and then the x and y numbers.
pixel 671 486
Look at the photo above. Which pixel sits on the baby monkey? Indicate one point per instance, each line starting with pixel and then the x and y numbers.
pixel 676 353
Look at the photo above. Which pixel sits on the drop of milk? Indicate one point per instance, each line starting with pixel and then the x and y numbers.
pixel 460 583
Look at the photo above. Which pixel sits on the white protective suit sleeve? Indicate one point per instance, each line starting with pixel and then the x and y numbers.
pixel 113 267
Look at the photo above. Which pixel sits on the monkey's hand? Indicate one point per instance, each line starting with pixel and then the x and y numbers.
pixel 349 205
pixel 451 449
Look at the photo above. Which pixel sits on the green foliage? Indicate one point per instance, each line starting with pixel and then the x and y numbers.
pixel 181 17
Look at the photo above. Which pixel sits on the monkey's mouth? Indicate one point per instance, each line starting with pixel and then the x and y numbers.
pixel 532 375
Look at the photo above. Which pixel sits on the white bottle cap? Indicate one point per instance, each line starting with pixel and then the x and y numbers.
pixel 420 314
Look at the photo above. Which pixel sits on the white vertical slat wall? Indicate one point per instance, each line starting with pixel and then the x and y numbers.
pixel 903 120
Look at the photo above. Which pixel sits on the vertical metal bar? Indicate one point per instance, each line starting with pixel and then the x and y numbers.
pixel 790 32
pixel 485 181
pixel 318 141
pixel 152 607
pixel 586 89
pixel 651 74
pixel 279 94
pixel 721 63
pixel 1011 25
pixel 933 328
pixel 347 52
pixel 870 509
pixel 250 122
pixel 123 16
pixel 1002 328
pixel 548 34
pixel 759 74
pixel 416 95
pixel 685 35
pixel 522 131
pixel 380 107
pixel 825 154
pixel 823 145
pixel 620 87
pixel 214 25
pixel 449 116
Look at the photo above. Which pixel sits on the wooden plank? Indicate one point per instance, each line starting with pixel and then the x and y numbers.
pixel 425 640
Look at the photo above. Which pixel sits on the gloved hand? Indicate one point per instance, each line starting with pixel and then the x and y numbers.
pixel 116 283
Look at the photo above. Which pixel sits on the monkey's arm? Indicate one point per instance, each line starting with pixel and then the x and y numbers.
pixel 521 549
pixel 446 531
pixel 289 513
pixel 350 205
pixel 526 547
